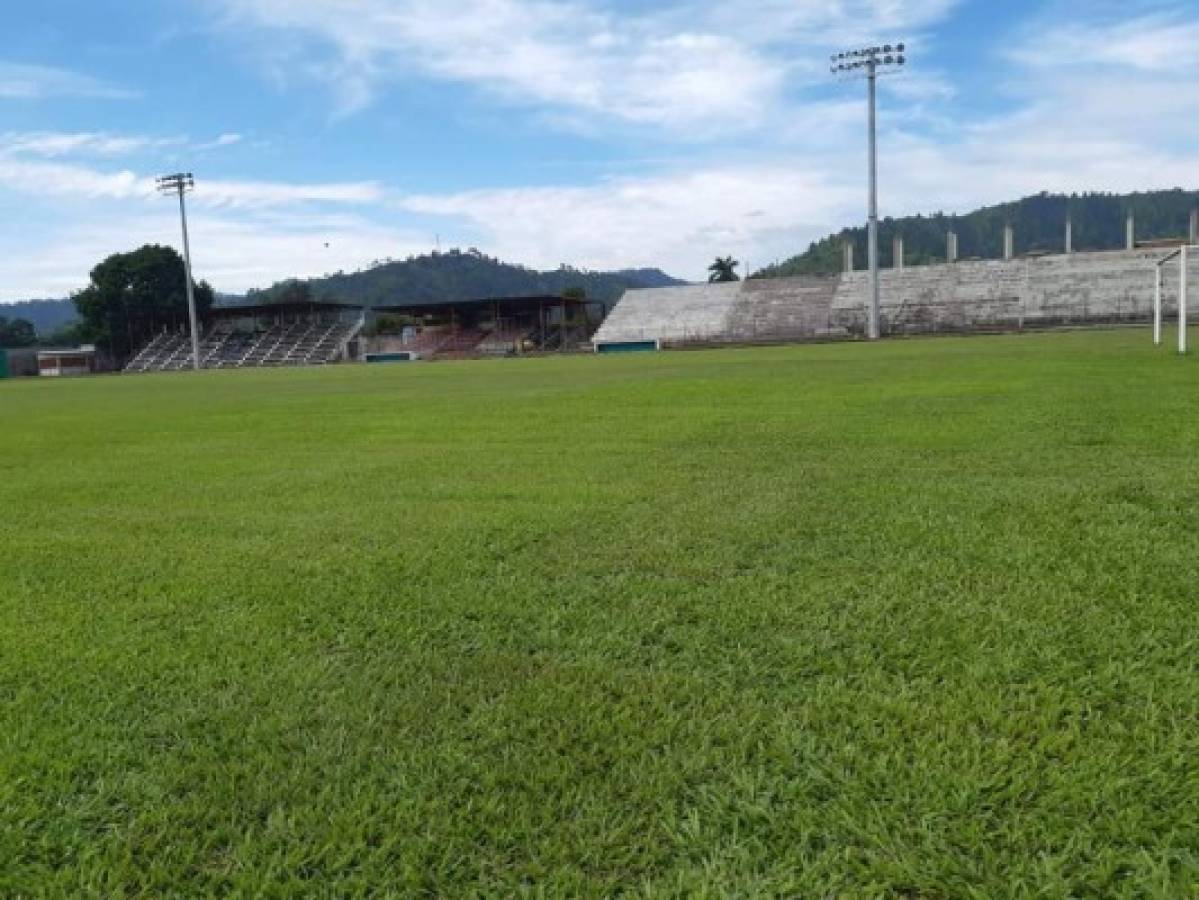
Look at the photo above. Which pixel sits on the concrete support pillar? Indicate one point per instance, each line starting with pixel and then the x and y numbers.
pixel 1193 230
pixel 1130 232
pixel 847 249
pixel 951 247
pixel 1069 235
pixel 1009 242
pixel 897 253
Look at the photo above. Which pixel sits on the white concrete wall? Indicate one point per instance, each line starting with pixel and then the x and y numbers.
pixel 1063 289
pixel 697 312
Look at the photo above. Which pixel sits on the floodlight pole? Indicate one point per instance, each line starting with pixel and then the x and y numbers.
pixel 873 327
pixel 181 184
pixel 871 59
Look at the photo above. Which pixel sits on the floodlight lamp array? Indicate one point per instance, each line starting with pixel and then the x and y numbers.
pixel 177 183
pixel 868 58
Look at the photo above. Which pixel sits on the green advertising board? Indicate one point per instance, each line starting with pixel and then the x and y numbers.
pixel 3 363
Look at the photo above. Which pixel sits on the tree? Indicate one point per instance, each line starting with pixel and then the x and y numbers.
pixel 724 269
pixel 134 295
pixel 17 333
pixel 66 336
pixel 294 292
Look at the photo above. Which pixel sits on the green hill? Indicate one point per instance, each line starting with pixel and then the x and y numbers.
pixel 47 316
pixel 1039 223
pixel 458 275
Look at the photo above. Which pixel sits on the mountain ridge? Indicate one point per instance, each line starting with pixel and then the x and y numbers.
pixel 458 275
pixel 1038 220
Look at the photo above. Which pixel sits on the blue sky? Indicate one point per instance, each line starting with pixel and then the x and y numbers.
pixel 600 134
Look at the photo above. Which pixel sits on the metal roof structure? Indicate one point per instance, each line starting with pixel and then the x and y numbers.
pixel 528 302
pixel 266 309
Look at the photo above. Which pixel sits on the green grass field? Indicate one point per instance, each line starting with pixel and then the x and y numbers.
pixel 918 619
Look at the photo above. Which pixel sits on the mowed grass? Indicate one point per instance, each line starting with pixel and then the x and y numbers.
pixel 917 619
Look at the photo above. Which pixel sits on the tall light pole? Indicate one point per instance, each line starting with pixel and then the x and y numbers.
pixel 180 184
pixel 870 61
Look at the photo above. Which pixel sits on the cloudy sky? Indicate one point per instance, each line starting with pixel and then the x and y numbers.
pixel 601 133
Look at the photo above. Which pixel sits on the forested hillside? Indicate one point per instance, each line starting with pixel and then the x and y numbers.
pixel 1039 223
pixel 46 316
pixel 458 275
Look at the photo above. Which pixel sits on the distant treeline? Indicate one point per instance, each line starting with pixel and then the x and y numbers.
pixel 1038 221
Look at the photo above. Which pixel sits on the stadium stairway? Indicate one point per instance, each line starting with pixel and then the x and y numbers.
pixel 782 309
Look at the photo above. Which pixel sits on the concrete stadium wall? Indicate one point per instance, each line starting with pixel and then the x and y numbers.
pixel 1067 289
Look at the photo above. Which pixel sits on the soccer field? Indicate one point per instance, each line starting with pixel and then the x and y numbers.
pixel 919 618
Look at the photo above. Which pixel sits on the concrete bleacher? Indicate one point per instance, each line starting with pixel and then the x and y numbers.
pixel 161 349
pixel 693 312
pixel 1104 287
pixel 303 342
pixel 783 309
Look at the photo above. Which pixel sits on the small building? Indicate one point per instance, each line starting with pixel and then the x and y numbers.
pixel 57 363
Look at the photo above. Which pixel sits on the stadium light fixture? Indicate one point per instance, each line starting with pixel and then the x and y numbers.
pixel 180 183
pixel 870 61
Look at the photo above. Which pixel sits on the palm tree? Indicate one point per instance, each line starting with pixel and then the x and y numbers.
pixel 724 269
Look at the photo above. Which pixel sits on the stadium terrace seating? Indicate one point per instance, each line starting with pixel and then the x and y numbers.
pixel 462 341
pixel 504 340
pixel 155 353
pixel 307 342
pixel 684 313
pixel 427 341
pixel 783 309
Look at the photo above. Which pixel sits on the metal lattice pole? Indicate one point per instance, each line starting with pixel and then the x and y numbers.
pixel 180 184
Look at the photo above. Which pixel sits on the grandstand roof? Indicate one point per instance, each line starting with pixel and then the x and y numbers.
pixel 425 305
pixel 531 301
pixel 266 309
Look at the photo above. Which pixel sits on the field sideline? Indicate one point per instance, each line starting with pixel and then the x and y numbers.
pixel 917 618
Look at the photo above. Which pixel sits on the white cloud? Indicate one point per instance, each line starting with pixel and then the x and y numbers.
pixel 1160 43
pixel 233 253
pixel 53 178
pixel 679 222
pixel 19 81
pixel 45 179
pixel 57 143
pixel 271 193
pixel 224 140
pixel 697 67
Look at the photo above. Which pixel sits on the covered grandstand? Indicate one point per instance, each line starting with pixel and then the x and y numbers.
pixel 321 332
pixel 497 326
pixel 281 334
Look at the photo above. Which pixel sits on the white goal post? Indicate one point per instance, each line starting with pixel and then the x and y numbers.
pixel 1182 254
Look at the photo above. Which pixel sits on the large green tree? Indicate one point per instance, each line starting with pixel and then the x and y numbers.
pixel 17 333
pixel 134 295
